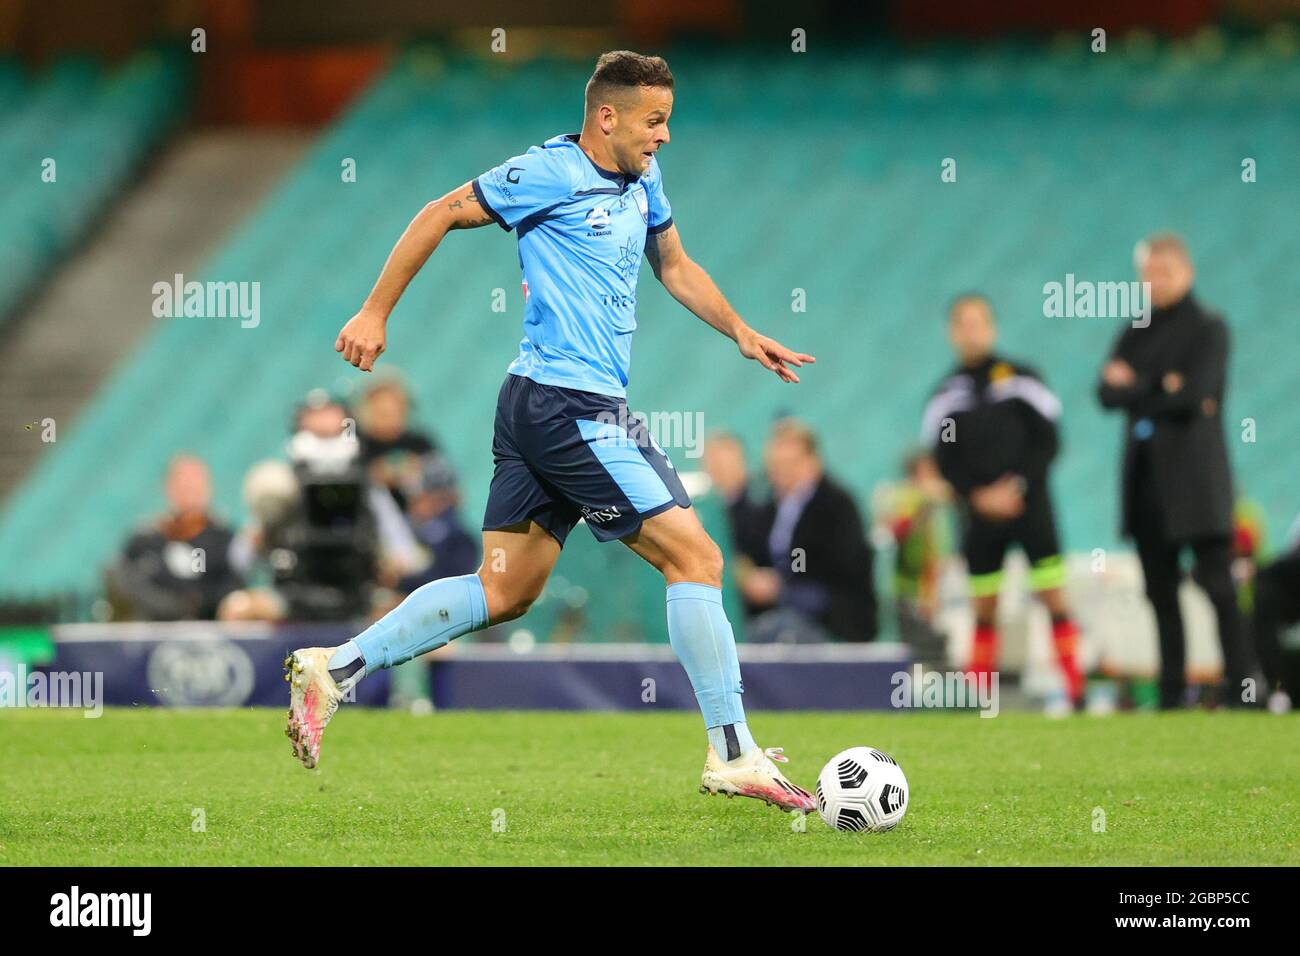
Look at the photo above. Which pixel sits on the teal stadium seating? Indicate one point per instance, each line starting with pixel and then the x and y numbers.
pixel 819 173
pixel 97 124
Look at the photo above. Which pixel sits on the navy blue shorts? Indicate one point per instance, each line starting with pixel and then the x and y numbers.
pixel 562 455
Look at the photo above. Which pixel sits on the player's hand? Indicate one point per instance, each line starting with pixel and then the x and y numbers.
pixel 771 354
pixel 362 340
pixel 1172 382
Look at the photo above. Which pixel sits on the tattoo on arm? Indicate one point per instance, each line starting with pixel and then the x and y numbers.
pixel 663 248
pixel 471 223
pixel 464 215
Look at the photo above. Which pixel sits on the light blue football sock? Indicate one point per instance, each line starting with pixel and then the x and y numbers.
pixel 701 637
pixel 431 615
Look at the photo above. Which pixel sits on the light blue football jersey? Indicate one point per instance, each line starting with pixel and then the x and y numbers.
pixel 582 232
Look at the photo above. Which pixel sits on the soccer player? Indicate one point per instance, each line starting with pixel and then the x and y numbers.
pixel 992 426
pixel 584 207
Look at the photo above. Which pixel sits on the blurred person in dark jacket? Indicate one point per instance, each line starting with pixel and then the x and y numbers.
pixel 1168 377
pixel 749 517
pixel 818 579
pixel 1276 607
pixel 325 532
pixel 392 452
pixel 434 513
pixel 177 567
pixel 992 427
pixel 915 511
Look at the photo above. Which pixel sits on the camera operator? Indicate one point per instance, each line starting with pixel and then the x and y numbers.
pixel 320 525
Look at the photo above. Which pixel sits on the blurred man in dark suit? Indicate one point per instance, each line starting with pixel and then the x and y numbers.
pixel 819 576
pixel 1169 379
pixel 749 517
pixel 433 510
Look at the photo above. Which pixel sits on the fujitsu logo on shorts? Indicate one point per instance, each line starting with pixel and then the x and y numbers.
pixel 599 517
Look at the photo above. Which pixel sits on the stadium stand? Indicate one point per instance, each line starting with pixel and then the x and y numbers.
pixel 97 124
pixel 1052 179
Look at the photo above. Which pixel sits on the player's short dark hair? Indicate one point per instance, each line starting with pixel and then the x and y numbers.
pixel 970 296
pixel 620 71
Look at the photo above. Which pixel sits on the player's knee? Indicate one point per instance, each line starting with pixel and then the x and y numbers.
pixel 507 599
pixel 706 563
pixel 508 607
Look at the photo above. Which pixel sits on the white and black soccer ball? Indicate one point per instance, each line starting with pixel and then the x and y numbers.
pixel 862 789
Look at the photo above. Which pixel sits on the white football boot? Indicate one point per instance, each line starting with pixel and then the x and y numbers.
pixel 755 775
pixel 314 696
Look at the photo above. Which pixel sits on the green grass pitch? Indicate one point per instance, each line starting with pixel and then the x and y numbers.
pixel 159 787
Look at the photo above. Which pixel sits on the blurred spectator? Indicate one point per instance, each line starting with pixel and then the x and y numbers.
pixel 819 579
pixel 433 510
pixel 320 526
pixel 178 567
pixel 1276 607
pixel 1249 550
pixel 392 452
pixel 1169 378
pixel 916 511
pixel 749 519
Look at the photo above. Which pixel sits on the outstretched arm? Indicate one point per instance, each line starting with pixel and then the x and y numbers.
pixel 362 339
pixel 691 286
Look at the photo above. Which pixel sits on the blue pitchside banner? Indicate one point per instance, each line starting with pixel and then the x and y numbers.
pixel 195 664
pixel 199 664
